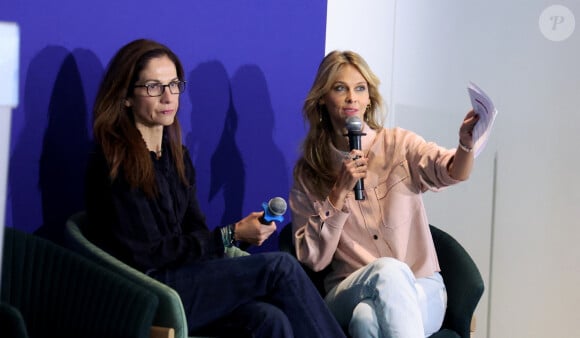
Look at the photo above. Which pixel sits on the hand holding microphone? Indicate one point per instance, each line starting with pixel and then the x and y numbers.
pixel 257 227
pixel 354 127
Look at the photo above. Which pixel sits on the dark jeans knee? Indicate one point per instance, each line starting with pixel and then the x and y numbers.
pixel 266 320
pixel 284 263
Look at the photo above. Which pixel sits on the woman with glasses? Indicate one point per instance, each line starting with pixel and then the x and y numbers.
pixel 142 208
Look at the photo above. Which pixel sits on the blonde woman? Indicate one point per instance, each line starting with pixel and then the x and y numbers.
pixel 384 276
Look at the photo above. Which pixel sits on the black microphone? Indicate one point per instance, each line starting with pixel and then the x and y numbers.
pixel 354 126
pixel 273 210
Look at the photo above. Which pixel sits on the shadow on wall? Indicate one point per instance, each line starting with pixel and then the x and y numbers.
pixel 266 169
pixel 232 146
pixel 217 160
pixel 46 178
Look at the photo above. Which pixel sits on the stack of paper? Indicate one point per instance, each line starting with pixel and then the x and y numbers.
pixel 484 107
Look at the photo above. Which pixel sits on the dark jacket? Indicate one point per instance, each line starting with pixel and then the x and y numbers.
pixel 149 233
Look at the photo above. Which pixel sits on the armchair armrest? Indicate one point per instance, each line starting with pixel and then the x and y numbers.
pixel 170 313
pixel 11 322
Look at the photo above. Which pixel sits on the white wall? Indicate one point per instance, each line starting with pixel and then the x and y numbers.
pixel 366 27
pixel 518 214
pixel 9 52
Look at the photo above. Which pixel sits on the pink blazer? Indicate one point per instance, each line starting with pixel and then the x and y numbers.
pixel 390 222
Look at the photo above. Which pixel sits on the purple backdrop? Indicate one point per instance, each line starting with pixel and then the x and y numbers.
pixel 249 65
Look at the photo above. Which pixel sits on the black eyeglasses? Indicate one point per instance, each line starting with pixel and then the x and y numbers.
pixel 157 89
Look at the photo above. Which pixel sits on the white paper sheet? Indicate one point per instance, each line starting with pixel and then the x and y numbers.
pixel 487 112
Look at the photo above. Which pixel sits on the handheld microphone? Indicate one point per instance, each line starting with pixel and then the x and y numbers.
pixel 273 210
pixel 354 126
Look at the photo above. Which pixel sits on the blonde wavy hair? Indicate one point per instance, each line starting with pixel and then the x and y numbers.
pixel 314 167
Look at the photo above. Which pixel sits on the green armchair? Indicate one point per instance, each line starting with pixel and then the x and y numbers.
pixel 460 274
pixel 49 291
pixel 463 283
pixel 170 312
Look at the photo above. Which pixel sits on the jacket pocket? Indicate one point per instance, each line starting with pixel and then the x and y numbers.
pixel 393 196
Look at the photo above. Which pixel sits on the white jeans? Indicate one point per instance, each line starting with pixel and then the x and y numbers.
pixel 384 300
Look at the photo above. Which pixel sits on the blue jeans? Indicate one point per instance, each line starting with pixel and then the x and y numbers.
pixel 261 295
pixel 383 299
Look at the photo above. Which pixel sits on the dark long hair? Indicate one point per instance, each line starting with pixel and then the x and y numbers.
pixel 114 124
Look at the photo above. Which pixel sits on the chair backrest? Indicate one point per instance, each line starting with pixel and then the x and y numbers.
pixel 461 276
pixel 61 294
pixel 170 312
pixel 462 280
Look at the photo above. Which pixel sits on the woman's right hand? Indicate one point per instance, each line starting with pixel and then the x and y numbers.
pixel 354 167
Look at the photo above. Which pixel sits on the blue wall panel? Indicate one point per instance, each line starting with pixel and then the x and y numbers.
pixel 249 65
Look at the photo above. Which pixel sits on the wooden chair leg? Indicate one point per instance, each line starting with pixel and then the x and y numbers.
pixel 162 332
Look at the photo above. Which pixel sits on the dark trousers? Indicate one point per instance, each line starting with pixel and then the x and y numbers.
pixel 262 295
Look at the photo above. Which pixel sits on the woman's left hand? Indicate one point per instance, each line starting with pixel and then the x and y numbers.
pixel 466 129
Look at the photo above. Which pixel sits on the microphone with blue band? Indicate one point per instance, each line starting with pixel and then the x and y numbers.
pixel 273 210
